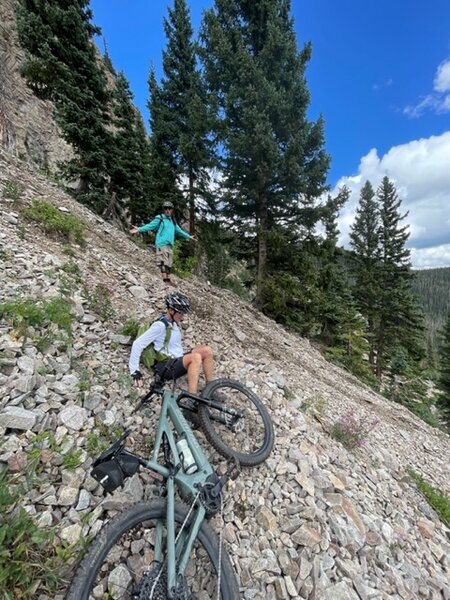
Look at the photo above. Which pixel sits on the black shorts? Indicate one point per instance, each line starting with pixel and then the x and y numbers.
pixel 170 369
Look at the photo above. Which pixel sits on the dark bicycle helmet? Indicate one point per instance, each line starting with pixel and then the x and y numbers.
pixel 168 204
pixel 178 302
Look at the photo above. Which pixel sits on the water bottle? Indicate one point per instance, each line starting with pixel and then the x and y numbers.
pixel 187 459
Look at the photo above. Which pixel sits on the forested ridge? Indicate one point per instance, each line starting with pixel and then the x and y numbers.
pixel 231 144
pixel 433 289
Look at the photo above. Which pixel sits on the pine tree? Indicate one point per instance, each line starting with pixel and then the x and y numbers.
pixel 62 66
pixel 129 185
pixel 444 376
pixel 364 239
pixel 181 149
pixel 343 327
pixel 184 96
pixel 274 165
pixel 163 165
pixel 400 321
pixel 337 298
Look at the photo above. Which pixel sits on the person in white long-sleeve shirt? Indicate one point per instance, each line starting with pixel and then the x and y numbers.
pixel 178 363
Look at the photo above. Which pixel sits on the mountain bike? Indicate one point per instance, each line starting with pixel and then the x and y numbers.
pixel 165 548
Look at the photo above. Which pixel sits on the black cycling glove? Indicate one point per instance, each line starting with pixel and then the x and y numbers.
pixel 136 376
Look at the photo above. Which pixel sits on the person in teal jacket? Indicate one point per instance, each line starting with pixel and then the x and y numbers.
pixel 166 229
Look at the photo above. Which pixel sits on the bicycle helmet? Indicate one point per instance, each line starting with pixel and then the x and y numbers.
pixel 178 302
pixel 168 204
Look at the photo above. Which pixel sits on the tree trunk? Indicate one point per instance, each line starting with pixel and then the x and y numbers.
pixel 380 350
pixel 262 249
pixel 191 202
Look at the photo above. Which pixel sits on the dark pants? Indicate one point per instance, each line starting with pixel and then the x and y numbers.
pixel 170 369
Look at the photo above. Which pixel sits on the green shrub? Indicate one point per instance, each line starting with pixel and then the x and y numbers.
pixel 72 268
pixel 96 443
pixel 315 405
pixel 72 460
pixel 52 220
pixel 437 500
pixel 28 563
pixel 99 299
pixel 183 264
pixel 23 314
pixel 130 328
pixel 13 190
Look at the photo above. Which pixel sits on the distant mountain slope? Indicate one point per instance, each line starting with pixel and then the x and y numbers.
pixel 432 287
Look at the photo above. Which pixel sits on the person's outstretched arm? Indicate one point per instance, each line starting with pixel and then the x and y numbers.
pixel 149 227
pixel 182 233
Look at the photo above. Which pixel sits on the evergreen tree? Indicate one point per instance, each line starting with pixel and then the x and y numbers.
pixel 129 185
pixel 364 239
pixel 444 377
pixel 163 166
pixel 343 327
pixel 62 66
pixel 274 165
pixel 399 319
pixel 184 95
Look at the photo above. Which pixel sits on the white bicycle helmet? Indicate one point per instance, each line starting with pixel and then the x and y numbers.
pixel 178 302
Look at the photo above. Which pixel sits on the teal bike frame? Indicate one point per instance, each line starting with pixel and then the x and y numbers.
pixel 178 549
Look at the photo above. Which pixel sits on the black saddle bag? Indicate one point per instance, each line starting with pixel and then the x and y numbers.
pixel 113 466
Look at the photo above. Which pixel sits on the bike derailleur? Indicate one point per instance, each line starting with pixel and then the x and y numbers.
pixel 154 585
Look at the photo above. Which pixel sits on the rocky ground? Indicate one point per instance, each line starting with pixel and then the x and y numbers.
pixel 316 521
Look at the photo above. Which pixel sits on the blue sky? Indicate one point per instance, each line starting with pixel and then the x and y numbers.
pixel 380 76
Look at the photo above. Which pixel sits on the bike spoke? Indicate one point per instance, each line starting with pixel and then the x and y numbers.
pixel 130 572
pixel 243 434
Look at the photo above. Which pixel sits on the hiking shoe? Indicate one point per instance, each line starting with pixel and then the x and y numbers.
pixel 192 417
pixel 219 397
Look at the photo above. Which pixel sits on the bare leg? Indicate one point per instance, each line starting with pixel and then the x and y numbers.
pixel 201 356
pixel 193 363
pixel 207 360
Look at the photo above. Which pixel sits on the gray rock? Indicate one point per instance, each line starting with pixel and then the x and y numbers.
pixel 139 292
pixel 15 417
pixel 26 365
pixel 73 417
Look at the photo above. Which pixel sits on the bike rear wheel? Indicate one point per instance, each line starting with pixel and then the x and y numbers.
pixel 119 562
pixel 249 438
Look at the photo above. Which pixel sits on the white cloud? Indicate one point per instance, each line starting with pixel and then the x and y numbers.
pixel 442 79
pixel 428 258
pixel 420 171
pixel 438 100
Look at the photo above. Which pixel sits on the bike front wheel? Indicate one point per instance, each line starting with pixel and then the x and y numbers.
pixel 248 437
pixel 120 562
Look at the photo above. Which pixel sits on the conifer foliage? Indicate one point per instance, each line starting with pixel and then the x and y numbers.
pixel 444 376
pixel 383 278
pixel 179 115
pixel 273 160
pixel 61 66
pixel 364 239
pixel 129 173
